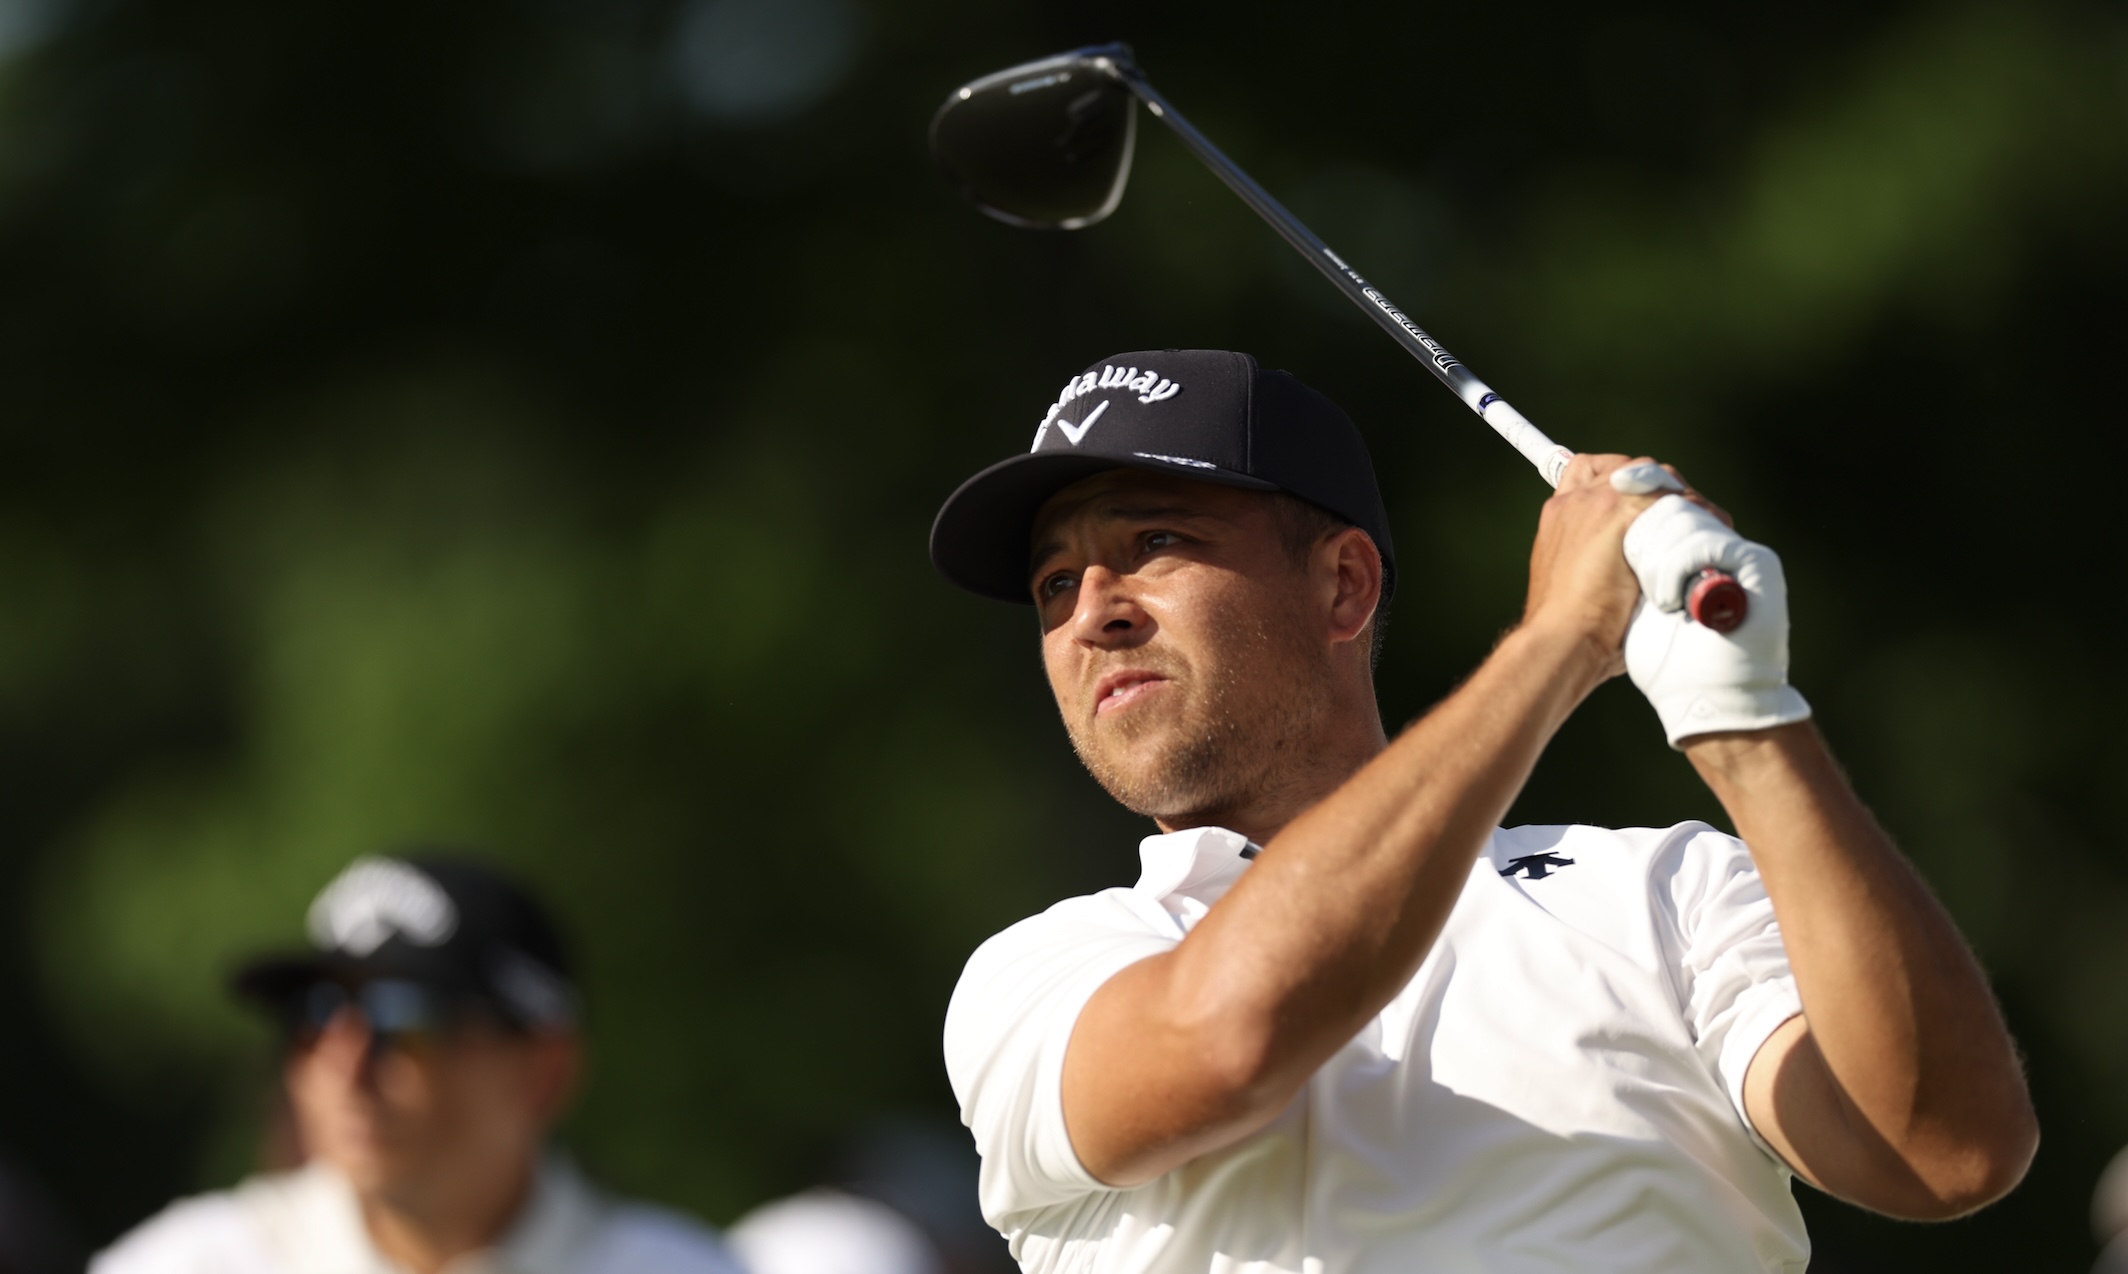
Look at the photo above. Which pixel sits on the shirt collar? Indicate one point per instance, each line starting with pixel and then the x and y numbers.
pixel 1200 864
pixel 559 1218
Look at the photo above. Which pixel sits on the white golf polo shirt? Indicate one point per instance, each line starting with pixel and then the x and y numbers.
pixel 1558 1088
pixel 308 1222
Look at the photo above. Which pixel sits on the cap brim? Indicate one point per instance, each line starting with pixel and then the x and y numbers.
pixel 268 981
pixel 981 537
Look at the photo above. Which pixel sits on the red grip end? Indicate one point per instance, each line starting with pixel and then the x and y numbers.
pixel 1717 600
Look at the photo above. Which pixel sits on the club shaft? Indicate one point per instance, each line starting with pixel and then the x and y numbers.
pixel 1549 457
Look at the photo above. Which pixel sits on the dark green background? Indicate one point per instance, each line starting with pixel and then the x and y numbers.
pixel 490 420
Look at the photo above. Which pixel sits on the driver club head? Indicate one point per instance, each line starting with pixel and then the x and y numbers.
pixel 1045 145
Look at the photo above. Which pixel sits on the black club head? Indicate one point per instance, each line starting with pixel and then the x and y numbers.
pixel 1046 144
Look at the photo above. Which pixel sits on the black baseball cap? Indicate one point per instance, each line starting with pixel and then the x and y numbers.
pixel 437 918
pixel 1211 415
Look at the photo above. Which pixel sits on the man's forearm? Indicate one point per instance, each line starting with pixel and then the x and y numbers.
pixel 1896 1006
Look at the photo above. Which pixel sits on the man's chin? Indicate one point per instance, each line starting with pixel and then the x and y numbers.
pixel 1162 784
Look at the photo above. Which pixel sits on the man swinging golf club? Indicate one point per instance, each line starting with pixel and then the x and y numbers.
pixel 1346 1023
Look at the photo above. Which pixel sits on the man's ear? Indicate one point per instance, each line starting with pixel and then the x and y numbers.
pixel 1351 567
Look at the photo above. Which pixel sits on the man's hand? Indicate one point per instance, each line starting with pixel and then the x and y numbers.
pixel 1579 581
pixel 1699 680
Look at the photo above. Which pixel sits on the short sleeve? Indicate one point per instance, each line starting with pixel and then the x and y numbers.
pixel 1734 977
pixel 204 1235
pixel 1007 1028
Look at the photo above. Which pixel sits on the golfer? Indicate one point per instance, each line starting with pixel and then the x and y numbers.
pixel 1344 1023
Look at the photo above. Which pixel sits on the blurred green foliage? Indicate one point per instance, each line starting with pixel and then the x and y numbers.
pixel 517 422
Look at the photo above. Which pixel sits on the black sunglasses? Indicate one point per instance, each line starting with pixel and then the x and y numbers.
pixel 399 1013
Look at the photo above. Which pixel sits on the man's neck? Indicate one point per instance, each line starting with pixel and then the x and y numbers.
pixel 426 1237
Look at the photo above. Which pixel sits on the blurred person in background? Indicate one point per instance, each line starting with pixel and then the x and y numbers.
pixel 432 1044
pixel 2109 1217
pixel 898 1198
pixel 829 1231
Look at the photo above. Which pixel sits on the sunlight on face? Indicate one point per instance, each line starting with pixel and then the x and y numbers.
pixel 1179 639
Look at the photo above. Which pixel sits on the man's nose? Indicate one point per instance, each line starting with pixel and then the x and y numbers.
pixel 1108 613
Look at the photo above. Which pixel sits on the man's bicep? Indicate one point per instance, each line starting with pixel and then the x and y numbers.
pixel 1156 1076
pixel 1127 1103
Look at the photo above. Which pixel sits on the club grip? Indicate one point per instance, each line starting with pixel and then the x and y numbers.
pixel 1716 600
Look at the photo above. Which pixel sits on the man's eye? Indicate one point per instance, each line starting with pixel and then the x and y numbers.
pixel 1054 585
pixel 1161 540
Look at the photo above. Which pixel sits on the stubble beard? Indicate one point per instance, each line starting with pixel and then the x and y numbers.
pixel 1240 726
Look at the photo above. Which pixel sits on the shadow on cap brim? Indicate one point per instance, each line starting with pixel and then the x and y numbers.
pixel 267 982
pixel 981 538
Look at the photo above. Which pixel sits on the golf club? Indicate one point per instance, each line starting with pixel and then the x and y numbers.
pixel 1048 145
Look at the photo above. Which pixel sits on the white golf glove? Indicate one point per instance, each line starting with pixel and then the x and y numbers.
pixel 1699 680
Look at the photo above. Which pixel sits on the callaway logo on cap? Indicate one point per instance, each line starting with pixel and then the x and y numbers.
pixel 1212 415
pixel 441 919
pixel 376 898
pixel 1150 387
